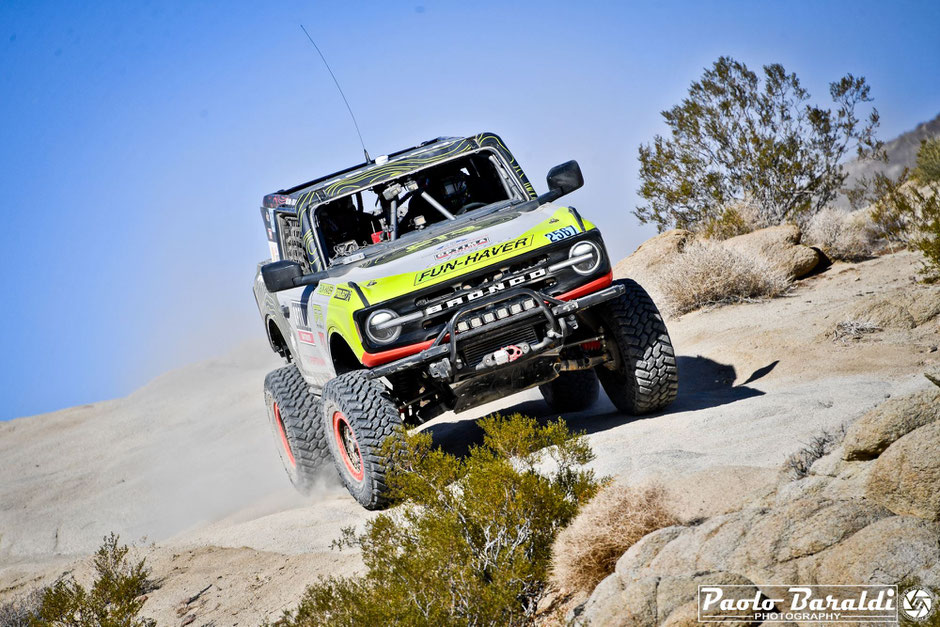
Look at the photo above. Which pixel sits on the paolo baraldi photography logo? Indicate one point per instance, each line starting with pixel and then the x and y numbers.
pixel 873 604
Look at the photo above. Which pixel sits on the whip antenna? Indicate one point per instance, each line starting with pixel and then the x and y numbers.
pixel 348 108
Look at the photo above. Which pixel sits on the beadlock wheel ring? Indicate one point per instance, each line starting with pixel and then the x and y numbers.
pixel 348 446
pixel 283 433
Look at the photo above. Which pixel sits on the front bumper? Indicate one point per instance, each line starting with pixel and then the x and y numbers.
pixel 441 355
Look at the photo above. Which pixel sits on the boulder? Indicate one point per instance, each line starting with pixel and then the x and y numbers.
pixel 652 254
pixel 649 600
pixel 644 265
pixel 716 491
pixel 780 246
pixel 906 477
pixel 888 551
pixel 878 429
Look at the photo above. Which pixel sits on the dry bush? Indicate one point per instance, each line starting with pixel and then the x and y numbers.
pixel 615 520
pixel 842 235
pixel 706 273
pixel 853 330
pixel 798 464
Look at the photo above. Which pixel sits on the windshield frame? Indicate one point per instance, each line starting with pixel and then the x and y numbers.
pixel 504 171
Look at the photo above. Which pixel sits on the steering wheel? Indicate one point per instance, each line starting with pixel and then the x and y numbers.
pixel 470 206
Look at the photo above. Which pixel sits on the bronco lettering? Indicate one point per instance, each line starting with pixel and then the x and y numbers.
pixel 489 289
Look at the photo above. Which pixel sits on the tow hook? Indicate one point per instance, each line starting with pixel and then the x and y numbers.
pixel 505 355
pixel 441 369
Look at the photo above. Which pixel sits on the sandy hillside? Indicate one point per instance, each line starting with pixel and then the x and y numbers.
pixel 187 461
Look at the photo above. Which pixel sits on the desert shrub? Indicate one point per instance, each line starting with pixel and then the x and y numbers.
pixel 928 161
pixel 909 213
pixel 471 541
pixel 798 464
pixel 114 597
pixel 736 218
pixel 587 551
pixel 842 235
pixel 892 209
pixel 927 237
pixel 740 134
pixel 707 273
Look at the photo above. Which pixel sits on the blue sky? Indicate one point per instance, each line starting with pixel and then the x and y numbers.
pixel 137 139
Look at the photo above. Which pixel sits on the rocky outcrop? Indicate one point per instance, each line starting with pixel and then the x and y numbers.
pixel 780 246
pixel 873 519
pixel 646 262
pixel 871 434
pixel 906 477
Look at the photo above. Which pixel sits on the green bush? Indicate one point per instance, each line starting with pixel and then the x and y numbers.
pixel 928 161
pixel 739 135
pixel 113 600
pixel 909 213
pixel 471 542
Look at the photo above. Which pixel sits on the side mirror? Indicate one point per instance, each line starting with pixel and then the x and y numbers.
pixel 281 275
pixel 562 179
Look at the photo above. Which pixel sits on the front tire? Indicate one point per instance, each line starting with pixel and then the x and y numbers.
pixel 358 417
pixel 643 376
pixel 571 391
pixel 294 414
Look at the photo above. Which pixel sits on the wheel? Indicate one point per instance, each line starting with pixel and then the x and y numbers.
pixel 294 414
pixel 358 416
pixel 643 377
pixel 571 391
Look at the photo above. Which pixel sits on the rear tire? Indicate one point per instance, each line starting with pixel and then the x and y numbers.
pixel 359 415
pixel 294 414
pixel 643 377
pixel 571 391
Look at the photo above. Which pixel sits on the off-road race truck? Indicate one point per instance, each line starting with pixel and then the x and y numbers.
pixel 435 279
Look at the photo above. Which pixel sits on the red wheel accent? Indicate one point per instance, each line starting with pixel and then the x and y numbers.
pixel 347 443
pixel 280 428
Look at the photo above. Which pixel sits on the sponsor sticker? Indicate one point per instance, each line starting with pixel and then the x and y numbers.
pixel 563 233
pixel 342 293
pixel 871 604
pixel 318 316
pixel 461 246
pixel 473 258
pixel 305 337
pixel 299 313
pixel 325 288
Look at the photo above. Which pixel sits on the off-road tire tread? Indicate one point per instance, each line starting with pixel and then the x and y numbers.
pixel 571 391
pixel 300 413
pixel 648 378
pixel 374 417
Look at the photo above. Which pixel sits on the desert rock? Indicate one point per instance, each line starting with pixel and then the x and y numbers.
pixel 906 477
pixel 779 245
pixel 896 417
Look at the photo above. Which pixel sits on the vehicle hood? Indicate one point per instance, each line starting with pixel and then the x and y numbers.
pixel 468 245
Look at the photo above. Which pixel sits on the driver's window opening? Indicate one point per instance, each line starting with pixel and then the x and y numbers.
pixel 411 203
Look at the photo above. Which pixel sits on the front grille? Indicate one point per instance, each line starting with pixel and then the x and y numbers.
pixel 476 349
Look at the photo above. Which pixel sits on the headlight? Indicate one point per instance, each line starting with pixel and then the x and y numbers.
pixel 378 335
pixel 588 257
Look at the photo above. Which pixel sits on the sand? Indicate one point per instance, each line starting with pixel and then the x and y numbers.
pixel 186 467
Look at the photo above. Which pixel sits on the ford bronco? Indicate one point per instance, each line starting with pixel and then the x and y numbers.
pixel 435 279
